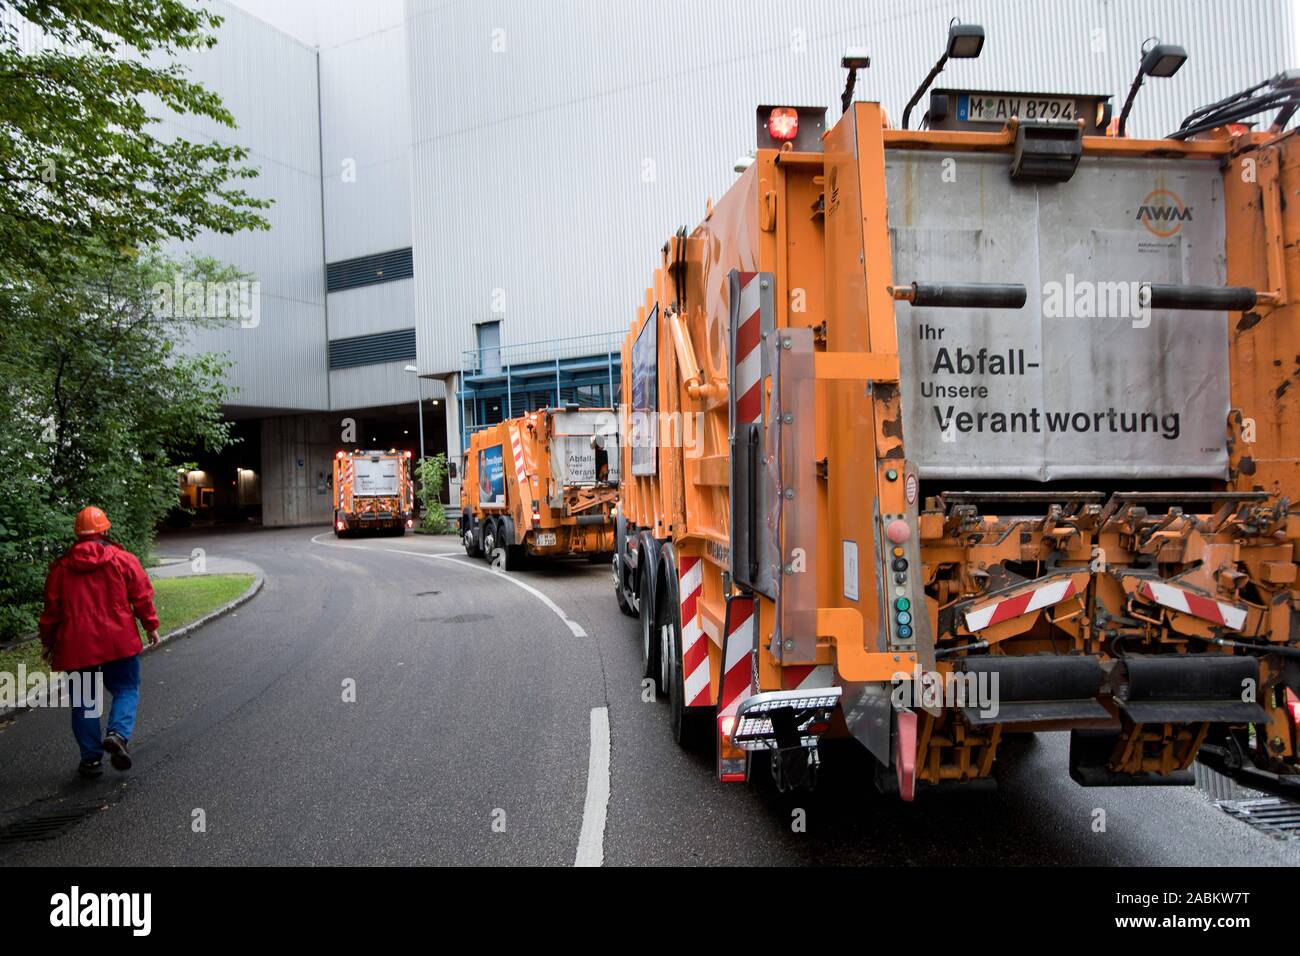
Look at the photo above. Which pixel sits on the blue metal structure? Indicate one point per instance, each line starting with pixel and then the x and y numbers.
pixel 502 382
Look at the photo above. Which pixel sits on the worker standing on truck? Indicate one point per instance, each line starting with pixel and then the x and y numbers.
pixel 93 595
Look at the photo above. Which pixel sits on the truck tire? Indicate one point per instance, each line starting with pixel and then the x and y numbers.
pixel 513 557
pixel 649 633
pixel 469 536
pixel 502 555
pixel 620 594
pixel 490 538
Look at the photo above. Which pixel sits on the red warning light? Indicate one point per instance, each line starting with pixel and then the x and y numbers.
pixel 783 123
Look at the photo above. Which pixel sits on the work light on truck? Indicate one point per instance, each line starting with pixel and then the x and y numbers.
pixel 965 42
pixel 780 719
pixel 1159 60
pixel 855 58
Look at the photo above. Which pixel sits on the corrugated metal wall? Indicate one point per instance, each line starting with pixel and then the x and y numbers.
pixel 267 80
pixel 365 142
pixel 356 131
pixel 557 145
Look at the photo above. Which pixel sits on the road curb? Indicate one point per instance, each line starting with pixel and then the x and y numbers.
pixel 185 631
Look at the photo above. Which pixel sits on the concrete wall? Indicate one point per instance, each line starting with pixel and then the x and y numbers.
pixel 293 494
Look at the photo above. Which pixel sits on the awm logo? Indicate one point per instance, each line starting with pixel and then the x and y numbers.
pixel 1163 213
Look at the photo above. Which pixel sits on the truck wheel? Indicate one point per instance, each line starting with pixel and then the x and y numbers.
pixel 620 595
pixel 649 636
pixel 687 727
pixel 489 540
pixel 469 536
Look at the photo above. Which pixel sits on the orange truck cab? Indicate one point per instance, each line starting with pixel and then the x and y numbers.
pixel 944 436
pixel 373 491
pixel 544 484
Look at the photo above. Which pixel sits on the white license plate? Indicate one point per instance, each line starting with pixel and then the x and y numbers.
pixel 546 539
pixel 999 109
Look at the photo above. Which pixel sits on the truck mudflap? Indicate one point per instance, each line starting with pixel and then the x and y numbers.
pixel 1092 757
pixel 1023 690
pixel 1185 688
pixel 1177 696
pixel 739 681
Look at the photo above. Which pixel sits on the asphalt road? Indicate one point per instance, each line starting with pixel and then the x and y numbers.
pixel 470 741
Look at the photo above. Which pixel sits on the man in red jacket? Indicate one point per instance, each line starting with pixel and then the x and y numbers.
pixel 93 595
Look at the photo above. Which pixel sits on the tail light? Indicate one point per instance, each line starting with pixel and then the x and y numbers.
pixel 339 525
pixel 408 453
pixel 410 522
pixel 733 763
pixel 338 455
pixel 783 123
pixel 1293 705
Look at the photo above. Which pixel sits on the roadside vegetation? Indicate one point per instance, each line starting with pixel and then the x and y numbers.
pixel 431 473
pixel 179 601
pixel 95 398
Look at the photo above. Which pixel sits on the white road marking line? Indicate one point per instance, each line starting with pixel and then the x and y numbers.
pixel 450 549
pixel 591 840
pixel 335 544
pixel 472 564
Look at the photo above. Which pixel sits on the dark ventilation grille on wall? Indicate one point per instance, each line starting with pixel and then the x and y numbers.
pixel 397 346
pixel 368 270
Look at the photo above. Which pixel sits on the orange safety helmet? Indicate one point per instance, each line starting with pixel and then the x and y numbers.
pixel 91 521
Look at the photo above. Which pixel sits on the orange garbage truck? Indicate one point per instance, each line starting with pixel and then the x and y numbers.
pixel 373 491
pixel 544 484
pixel 940 437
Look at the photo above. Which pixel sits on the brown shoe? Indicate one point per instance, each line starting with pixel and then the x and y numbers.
pixel 118 755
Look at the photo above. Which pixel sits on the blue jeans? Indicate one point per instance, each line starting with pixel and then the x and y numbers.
pixel 122 680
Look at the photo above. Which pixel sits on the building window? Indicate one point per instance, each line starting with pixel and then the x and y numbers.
pixel 395 346
pixel 369 270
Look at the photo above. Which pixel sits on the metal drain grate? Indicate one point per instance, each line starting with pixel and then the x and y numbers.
pixel 46 826
pixel 1273 815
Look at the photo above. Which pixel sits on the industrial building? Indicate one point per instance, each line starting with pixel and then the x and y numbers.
pixel 468 195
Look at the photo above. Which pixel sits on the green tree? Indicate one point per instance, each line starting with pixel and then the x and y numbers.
pixel 84 171
pixel 431 473
pixel 95 401
pixel 96 397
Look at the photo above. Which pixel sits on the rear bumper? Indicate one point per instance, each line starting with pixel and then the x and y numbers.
pixel 571 539
pixel 375 520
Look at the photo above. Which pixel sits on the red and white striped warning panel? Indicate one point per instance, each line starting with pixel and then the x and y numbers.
pixel 738 656
pixel 749 357
pixel 517 446
pixel 1032 600
pixel 807 676
pixel 1197 605
pixel 695 644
